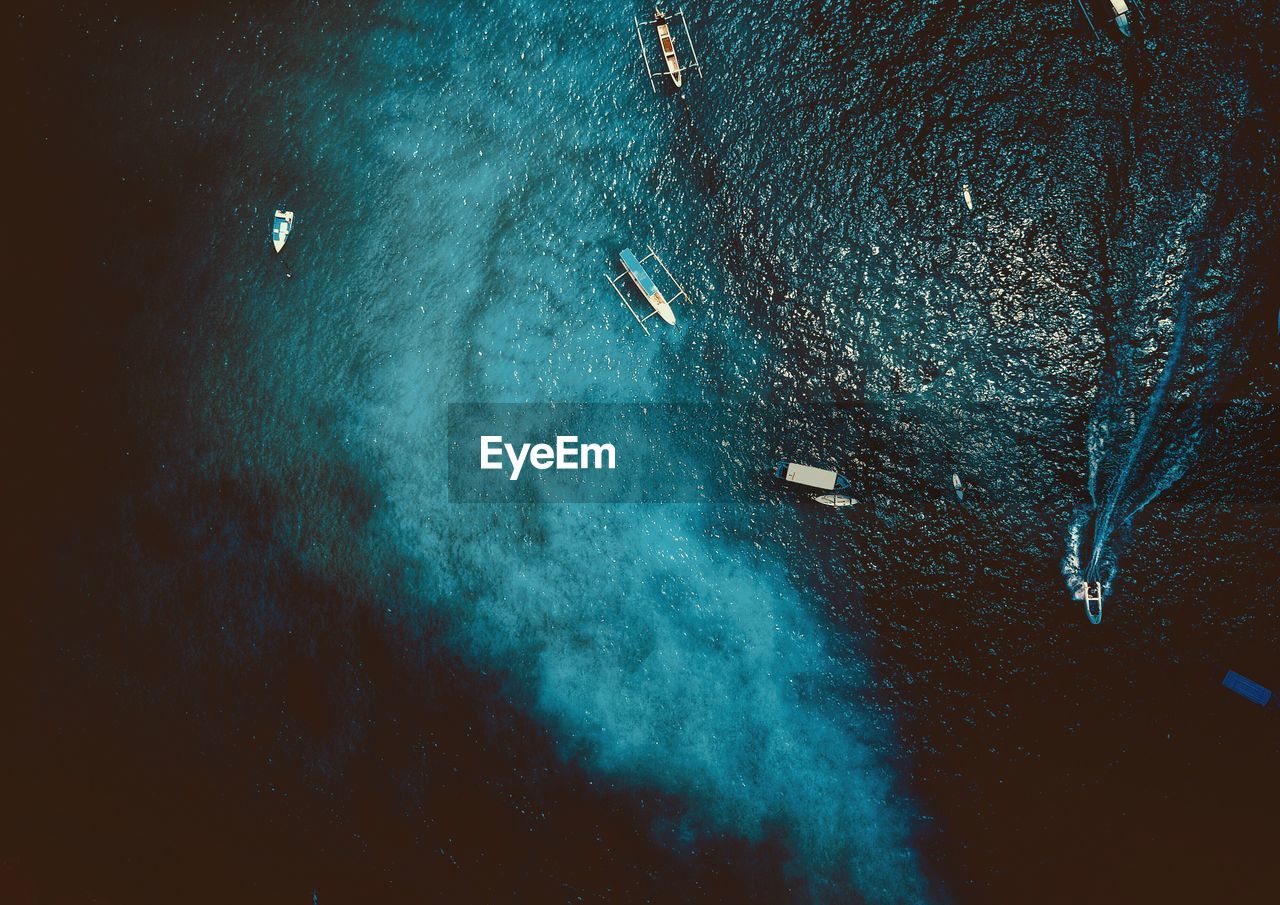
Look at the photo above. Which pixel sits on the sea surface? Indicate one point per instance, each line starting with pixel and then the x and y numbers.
pixel 269 656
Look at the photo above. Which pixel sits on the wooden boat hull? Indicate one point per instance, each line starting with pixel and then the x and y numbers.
pixel 669 51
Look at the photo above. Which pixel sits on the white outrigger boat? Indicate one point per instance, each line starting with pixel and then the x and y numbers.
pixel 633 267
pixel 1123 14
pixel 674 70
pixel 807 476
pixel 280 228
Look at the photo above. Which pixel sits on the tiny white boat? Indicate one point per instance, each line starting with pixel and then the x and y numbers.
pixel 280 228
pixel 835 499
pixel 968 199
pixel 957 487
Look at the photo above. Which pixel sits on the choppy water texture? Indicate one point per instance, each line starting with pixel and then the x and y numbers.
pixel 895 703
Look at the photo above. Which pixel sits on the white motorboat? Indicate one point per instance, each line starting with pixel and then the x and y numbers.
pixel 280 229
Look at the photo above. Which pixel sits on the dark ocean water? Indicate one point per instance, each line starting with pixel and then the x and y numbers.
pixel 262 653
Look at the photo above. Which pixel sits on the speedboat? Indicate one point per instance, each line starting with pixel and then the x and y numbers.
pixel 968 199
pixel 957 487
pixel 1093 601
pixel 837 500
pixel 280 228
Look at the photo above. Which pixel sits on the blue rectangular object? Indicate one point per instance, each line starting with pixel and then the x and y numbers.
pixel 638 273
pixel 1246 688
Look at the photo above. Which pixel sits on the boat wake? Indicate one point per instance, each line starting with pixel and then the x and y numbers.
pixel 1148 424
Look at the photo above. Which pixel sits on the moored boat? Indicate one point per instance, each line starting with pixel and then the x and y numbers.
pixel 821 478
pixel 648 288
pixel 668 47
pixel 633 267
pixel 280 229
pixel 664 23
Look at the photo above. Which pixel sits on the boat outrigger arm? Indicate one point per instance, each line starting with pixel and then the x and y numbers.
pixel 1124 13
pixel 673 68
pixel 633 267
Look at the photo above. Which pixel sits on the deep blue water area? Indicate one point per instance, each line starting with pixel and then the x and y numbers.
pixel 260 652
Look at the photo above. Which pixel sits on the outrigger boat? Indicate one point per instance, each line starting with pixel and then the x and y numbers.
pixel 633 267
pixel 674 70
pixel 821 478
pixel 280 229
pixel 1123 14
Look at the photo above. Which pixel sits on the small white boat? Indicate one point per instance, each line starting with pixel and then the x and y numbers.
pixel 835 499
pixel 668 48
pixel 666 43
pixel 957 487
pixel 968 199
pixel 1093 601
pixel 280 228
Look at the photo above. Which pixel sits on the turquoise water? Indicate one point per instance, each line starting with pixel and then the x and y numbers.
pixel 818 685
pixel 450 251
